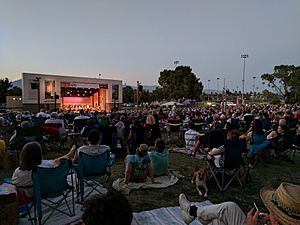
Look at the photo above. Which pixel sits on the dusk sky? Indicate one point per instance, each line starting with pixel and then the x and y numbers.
pixel 136 39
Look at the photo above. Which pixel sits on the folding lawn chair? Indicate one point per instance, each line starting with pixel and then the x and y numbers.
pixel 89 169
pixel 51 189
pixel 231 166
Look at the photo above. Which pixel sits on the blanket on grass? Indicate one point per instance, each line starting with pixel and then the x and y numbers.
pixel 164 216
pixel 162 182
pixel 184 151
pixel 58 218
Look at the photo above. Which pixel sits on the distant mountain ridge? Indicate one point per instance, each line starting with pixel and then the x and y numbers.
pixel 17 83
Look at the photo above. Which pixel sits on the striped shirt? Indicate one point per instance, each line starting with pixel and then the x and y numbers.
pixel 190 138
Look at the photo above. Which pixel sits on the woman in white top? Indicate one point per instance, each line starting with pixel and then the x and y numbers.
pixel 31 156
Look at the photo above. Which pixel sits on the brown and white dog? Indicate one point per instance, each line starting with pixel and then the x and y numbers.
pixel 200 180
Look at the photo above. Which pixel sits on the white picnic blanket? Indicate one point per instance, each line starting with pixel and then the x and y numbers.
pixel 164 216
pixel 184 151
pixel 162 182
pixel 60 219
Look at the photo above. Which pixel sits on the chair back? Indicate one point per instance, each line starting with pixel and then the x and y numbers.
pixel 79 124
pixel 174 125
pixel 29 133
pixel 235 123
pixel 152 132
pixel 108 135
pixel 233 153
pixel 93 165
pixel 139 136
pixel 49 182
pixel 217 138
pixel 52 129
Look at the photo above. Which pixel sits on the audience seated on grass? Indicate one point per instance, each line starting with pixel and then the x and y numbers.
pixel 138 166
pixel 110 209
pixel 93 147
pixel 159 158
pixel 282 203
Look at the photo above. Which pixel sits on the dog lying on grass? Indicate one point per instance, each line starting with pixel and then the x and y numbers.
pixel 200 180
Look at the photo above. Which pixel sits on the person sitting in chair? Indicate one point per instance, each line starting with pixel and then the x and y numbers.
pixel 216 153
pixel 31 156
pixel 257 138
pixel 93 148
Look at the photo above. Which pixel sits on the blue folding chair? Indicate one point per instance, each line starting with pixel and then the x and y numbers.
pixel 90 168
pixel 50 183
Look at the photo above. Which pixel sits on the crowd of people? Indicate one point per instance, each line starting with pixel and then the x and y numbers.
pixel 139 137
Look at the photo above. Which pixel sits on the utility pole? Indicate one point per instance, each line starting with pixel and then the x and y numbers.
pixel 55 101
pixel 244 56
pixel 224 106
pixel 253 89
pixel 137 93
pixel 209 93
pixel 218 88
pixel 38 90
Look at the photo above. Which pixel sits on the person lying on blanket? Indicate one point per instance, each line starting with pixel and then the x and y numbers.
pixel 282 203
pixel 138 166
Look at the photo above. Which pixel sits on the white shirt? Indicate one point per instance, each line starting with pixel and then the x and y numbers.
pixel 81 117
pixel 23 178
pixel 93 149
pixel 190 139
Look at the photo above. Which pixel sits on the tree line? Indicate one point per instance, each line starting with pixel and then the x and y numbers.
pixel 183 83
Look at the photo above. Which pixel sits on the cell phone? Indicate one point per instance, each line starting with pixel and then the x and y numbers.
pixel 255 206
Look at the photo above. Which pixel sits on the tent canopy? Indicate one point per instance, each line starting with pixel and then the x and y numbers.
pixel 171 103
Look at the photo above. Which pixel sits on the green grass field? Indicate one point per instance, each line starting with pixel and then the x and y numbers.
pixel 270 172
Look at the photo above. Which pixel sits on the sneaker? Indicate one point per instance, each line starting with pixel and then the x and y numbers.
pixel 185 208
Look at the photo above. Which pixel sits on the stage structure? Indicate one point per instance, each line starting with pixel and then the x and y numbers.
pixel 70 92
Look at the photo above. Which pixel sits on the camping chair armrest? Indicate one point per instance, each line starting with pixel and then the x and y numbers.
pixel 7 180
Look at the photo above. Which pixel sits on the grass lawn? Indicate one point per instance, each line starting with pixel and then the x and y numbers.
pixel 270 172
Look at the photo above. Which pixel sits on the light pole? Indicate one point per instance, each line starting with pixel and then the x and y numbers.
pixel 137 93
pixel 38 89
pixel 244 56
pixel 208 89
pixel 218 88
pixel 224 93
pixel 254 77
pixel 176 62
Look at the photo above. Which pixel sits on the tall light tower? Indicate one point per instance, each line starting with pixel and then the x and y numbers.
pixel 38 92
pixel 208 89
pixel 254 77
pixel 218 78
pixel 176 62
pixel 244 57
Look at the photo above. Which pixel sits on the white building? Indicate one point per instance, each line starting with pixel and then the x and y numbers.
pixel 71 92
